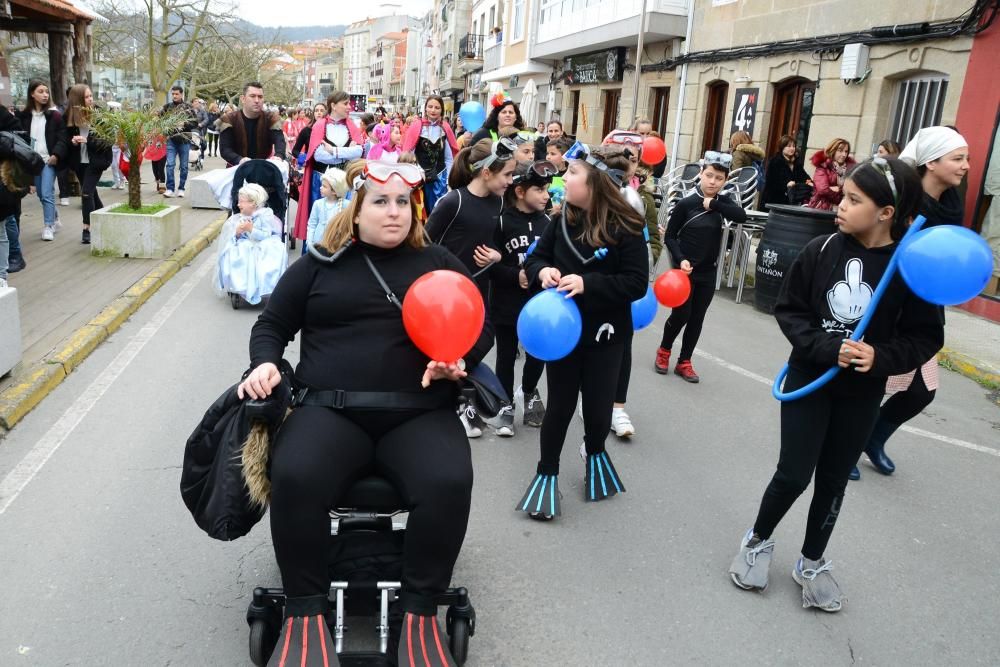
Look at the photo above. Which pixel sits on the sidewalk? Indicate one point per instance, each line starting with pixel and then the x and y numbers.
pixel 64 288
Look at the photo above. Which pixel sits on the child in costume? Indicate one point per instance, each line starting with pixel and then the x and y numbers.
pixel 252 255
pixel 333 188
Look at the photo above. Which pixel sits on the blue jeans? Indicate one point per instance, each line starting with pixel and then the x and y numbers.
pixel 177 150
pixel 13 235
pixel 45 184
pixel 4 248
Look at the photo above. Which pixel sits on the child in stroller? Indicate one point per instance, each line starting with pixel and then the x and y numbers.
pixel 196 156
pixel 251 255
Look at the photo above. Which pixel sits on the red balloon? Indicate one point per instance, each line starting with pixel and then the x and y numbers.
pixel 653 151
pixel 672 288
pixel 443 313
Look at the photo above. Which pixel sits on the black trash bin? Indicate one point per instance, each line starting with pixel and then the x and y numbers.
pixel 789 229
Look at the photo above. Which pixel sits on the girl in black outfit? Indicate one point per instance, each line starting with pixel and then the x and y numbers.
pixel 784 173
pixel 320 450
pixel 941 156
pixel 825 294
pixel 465 221
pixel 44 128
pixel 89 156
pixel 521 224
pixel 596 254
pixel 694 233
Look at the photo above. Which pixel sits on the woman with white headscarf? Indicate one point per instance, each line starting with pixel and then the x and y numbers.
pixel 941 157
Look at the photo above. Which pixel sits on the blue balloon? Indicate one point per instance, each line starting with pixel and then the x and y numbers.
pixel 644 310
pixel 549 325
pixel 531 248
pixel 946 265
pixel 473 116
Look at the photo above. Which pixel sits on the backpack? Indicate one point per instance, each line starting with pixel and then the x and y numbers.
pixel 758 165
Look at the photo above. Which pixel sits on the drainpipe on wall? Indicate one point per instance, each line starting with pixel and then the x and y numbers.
pixel 680 98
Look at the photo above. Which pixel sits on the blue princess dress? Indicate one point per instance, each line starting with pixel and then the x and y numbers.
pixel 251 264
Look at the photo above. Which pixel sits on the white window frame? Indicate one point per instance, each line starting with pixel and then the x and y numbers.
pixel 917 102
pixel 517 35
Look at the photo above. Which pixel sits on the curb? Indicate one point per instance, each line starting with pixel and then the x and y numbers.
pixel 21 398
pixel 970 368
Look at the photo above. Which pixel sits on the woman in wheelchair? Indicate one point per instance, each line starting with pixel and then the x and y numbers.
pixel 252 255
pixel 373 404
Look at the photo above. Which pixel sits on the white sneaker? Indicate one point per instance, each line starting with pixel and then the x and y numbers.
pixel 64 202
pixel 3 283
pixel 168 193
pixel 116 186
pixel 47 234
pixel 621 424
pixel 57 225
pixel 180 193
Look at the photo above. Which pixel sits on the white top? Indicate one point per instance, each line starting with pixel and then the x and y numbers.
pixel 84 155
pixel 38 134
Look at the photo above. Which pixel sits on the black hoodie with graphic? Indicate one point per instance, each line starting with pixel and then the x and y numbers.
pixel 514 235
pixel 826 292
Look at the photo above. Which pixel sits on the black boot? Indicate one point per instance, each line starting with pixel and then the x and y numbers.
pixel 305 638
pixel 16 263
pixel 876 447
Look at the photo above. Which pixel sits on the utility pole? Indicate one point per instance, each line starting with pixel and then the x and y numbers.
pixel 638 63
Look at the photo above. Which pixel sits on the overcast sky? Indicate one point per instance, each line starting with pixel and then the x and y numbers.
pixel 271 13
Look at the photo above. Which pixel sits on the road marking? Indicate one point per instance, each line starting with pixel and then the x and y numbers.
pixel 909 429
pixel 18 479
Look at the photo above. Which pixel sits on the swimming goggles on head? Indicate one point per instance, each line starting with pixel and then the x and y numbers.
pixel 540 173
pixel 381 172
pixel 715 158
pixel 882 165
pixel 502 150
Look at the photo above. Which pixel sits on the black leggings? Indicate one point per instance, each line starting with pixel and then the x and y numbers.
pixel 905 405
pixel 690 317
pixel 160 170
pixel 319 453
pixel 824 432
pixel 625 372
pixel 88 178
pixel 506 336
pixel 593 372
pixel 211 143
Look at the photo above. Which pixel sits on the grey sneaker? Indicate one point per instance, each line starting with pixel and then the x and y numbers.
pixel 534 409
pixel 750 567
pixel 505 429
pixel 471 420
pixel 819 588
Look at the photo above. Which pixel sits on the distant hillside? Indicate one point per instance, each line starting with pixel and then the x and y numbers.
pixel 291 34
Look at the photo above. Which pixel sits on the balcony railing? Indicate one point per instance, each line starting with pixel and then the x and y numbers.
pixel 470 47
pixel 492 57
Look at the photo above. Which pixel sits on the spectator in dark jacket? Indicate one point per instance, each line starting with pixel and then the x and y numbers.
pixel 785 175
pixel 179 145
pixel 44 130
pixel 10 207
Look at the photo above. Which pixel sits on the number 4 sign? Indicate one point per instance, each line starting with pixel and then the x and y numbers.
pixel 745 110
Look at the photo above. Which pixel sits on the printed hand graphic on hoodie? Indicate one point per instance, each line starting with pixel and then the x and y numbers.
pixel 849 299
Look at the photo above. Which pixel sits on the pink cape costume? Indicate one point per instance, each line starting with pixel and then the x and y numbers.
pixel 305 190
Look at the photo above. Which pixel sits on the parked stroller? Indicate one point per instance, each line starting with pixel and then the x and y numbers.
pixel 267 175
pixel 196 156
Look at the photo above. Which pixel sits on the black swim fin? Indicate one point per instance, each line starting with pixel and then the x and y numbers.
pixel 422 643
pixel 600 479
pixel 542 496
pixel 304 640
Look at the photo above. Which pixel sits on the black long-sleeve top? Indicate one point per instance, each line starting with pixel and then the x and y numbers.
pixel 610 285
pixel 514 235
pixel 228 141
pixel 694 234
pixel 779 173
pixel 825 293
pixel 461 222
pixel 302 140
pixel 55 134
pixel 352 336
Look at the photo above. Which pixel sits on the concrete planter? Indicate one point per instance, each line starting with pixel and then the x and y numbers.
pixel 10 330
pixel 135 235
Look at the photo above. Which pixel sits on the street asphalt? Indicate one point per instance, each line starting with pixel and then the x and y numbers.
pixel 101 564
